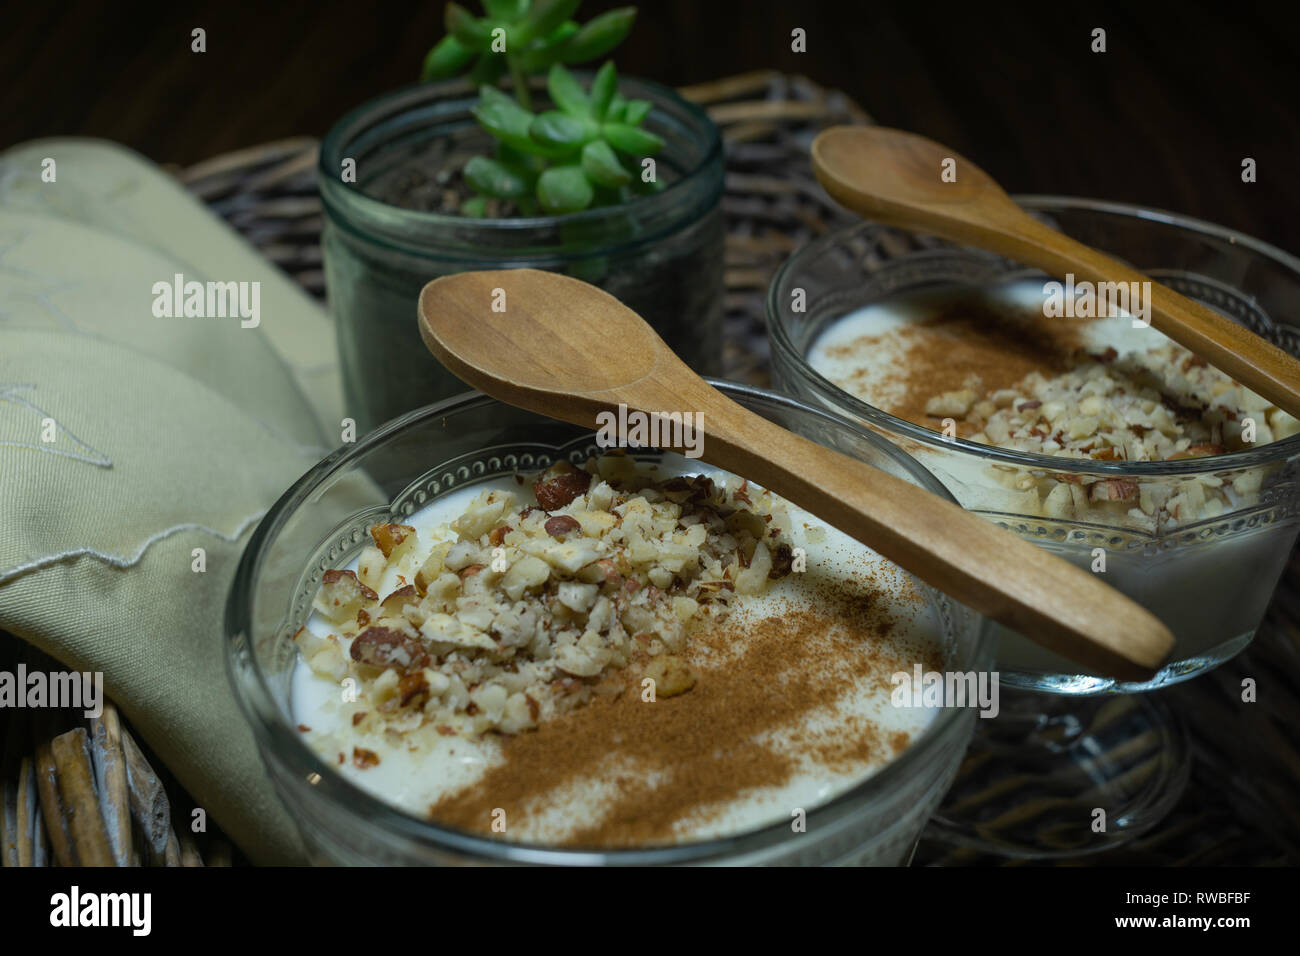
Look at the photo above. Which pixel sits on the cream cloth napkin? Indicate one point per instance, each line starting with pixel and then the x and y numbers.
pixel 168 434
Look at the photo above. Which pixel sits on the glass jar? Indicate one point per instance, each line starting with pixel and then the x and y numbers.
pixel 322 521
pixel 1208 577
pixel 662 255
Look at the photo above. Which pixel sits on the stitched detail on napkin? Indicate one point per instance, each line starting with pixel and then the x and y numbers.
pixel 8 574
pixel 9 393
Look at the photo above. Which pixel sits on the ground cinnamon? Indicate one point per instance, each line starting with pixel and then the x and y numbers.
pixel 964 341
pixel 686 757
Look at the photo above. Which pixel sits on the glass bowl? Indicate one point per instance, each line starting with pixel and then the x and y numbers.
pixel 322 521
pixel 1210 579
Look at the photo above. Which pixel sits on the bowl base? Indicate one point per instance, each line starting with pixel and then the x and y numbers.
pixel 1056 777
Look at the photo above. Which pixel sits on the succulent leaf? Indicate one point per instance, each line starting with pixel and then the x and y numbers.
pixel 602 165
pixel 631 139
pixel 472 33
pixel 598 36
pixel 603 88
pixel 446 59
pixel 561 131
pixel 567 92
pixel 584 151
pixel 545 15
pixel 635 112
pixel 492 178
pixel 564 189
pixel 505 119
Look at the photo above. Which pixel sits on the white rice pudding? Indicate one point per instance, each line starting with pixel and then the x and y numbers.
pixel 765 703
pixel 1128 393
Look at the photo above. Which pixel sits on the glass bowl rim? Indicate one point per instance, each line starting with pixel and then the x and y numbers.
pixel 274 734
pixel 845 402
pixel 410 96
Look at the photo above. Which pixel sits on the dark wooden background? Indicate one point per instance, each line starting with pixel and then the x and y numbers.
pixel 1165 117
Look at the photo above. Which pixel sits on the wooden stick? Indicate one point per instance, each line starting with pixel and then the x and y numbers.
pixel 752 111
pixel 110 774
pixel 729 87
pixel 149 806
pixel 71 753
pixel 47 785
pixel 265 153
pixel 40 840
pixel 302 162
pixel 172 851
pixel 747 132
pixel 34 845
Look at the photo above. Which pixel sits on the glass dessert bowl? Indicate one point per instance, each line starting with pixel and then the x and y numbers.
pixel 368 621
pixel 1090 436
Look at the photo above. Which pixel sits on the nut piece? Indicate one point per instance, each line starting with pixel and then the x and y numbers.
pixel 393 604
pixel 672 675
pixel 1115 489
pixel 341 595
pixel 389 648
pixel 951 404
pixel 390 537
pixel 561 525
pixel 413 689
pixel 555 492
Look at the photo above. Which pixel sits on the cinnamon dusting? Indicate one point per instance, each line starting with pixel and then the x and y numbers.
pixel 742 727
pixel 966 344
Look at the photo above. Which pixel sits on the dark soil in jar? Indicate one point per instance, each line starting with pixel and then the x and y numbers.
pixel 430 178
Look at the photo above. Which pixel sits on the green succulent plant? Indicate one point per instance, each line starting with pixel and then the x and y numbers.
pixel 587 150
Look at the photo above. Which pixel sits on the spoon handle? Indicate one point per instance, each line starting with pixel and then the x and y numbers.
pixel 985 567
pixel 1258 364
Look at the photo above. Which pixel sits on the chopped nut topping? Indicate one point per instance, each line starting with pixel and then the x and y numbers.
pixel 1161 404
pixel 582 603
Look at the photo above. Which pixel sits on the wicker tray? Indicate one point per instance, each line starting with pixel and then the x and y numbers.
pixel 1239 807
pixel 79 792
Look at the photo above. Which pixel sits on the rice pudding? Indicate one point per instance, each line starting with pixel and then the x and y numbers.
pixel 614 656
pixel 987 366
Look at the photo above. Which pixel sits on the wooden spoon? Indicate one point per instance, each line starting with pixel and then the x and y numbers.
pixel 894 177
pixel 568 350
